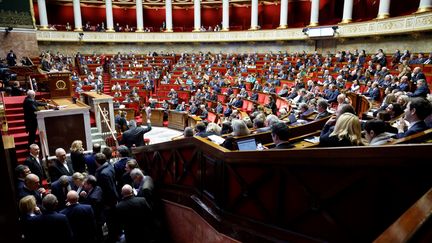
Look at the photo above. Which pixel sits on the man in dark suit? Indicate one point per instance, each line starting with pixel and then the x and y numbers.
pixel 415 113
pixel 133 215
pixel 145 185
pixel 322 110
pixel 34 163
pixel 57 224
pixel 21 171
pixel 422 89
pixel 92 195
pixel 204 112
pixel 417 74
pixel 280 135
pixel 60 166
pixel 11 58
pixel 105 175
pixel 135 135
pixel 31 187
pixel 30 106
pixel 60 189
pixel 81 219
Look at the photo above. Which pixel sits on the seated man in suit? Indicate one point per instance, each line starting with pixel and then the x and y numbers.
pixel 204 112
pixel 34 163
pixel 280 135
pixel 181 107
pixel 415 113
pixel 60 166
pixel 422 89
pixel 135 135
pixel 322 109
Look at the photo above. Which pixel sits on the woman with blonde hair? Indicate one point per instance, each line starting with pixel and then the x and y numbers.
pixel 213 129
pixel 77 156
pixel 347 132
pixel 28 209
pixel 239 129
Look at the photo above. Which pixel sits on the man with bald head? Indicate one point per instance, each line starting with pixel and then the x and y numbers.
pixel 30 106
pixel 81 219
pixel 31 187
pixel 134 216
pixel 60 166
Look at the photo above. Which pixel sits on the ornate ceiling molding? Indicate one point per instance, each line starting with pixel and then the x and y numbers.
pixel 399 25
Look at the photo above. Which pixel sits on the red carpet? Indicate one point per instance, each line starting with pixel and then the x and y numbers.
pixel 15 119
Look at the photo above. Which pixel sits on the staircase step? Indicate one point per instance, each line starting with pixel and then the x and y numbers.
pixel 15 123
pixel 17 129
pixel 14 117
pixel 14 110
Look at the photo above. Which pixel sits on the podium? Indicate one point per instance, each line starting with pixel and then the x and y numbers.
pixel 93 99
pixel 156 118
pixel 177 119
pixel 59 128
pixel 59 85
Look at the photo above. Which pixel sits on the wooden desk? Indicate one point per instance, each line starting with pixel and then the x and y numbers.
pixel 156 118
pixel 177 119
pixel 130 113
pixel 193 120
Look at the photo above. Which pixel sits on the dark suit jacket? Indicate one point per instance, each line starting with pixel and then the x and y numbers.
pixel 58 227
pixel 133 215
pixel 285 145
pixel 417 127
pixel 421 91
pixel 105 176
pixel 60 192
pixel 30 107
pixel 35 167
pixel 135 136
pixel 57 169
pixel 78 161
pixel 322 115
pixel 94 199
pixel 82 221
pixel 24 191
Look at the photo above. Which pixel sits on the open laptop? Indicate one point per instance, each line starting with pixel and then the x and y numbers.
pixel 246 144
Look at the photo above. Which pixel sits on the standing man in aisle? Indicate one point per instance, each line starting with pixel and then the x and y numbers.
pixel 30 106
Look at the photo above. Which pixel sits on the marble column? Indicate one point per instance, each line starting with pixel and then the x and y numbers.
pixel 168 16
pixel 109 16
pixel 424 6
pixel 283 23
pixel 347 12
pixel 314 16
pixel 225 15
pixel 77 15
pixel 139 16
pixel 384 9
pixel 254 15
pixel 43 18
pixel 197 15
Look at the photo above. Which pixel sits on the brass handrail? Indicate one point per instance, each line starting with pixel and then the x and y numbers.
pixel 108 125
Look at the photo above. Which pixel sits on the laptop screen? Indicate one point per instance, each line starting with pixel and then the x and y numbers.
pixel 246 144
